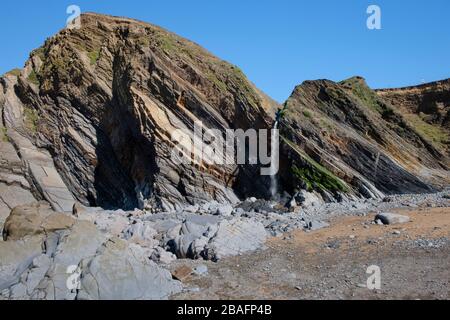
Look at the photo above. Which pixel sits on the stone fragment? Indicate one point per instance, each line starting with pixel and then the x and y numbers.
pixel 391 218
pixel 182 273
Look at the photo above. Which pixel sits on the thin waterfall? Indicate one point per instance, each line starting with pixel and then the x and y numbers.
pixel 377 160
pixel 273 155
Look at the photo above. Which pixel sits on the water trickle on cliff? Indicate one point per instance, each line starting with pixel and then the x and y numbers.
pixel 273 173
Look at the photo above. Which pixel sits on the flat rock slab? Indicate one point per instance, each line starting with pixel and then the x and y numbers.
pixel 316 225
pixel 182 273
pixel 123 271
pixel 235 237
pixel 391 218
pixel 34 219
pixel 15 258
pixel 202 220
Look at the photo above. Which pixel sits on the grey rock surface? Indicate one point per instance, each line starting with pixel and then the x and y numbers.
pixel 391 218
pixel 16 258
pixel 34 219
pixel 235 237
pixel 123 271
pixel 316 225
pixel 42 254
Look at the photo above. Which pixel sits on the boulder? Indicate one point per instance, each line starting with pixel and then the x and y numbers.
pixel 181 246
pixel 191 239
pixel 308 199
pixel 79 243
pixel 391 218
pixel 224 210
pixel 238 212
pixel 141 233
pixel 235 237
pixel 39 268
pixel 201 270
pixel 113 222
pixel 316 225
pixel 162 256
pixel 78 209
pixel 34 219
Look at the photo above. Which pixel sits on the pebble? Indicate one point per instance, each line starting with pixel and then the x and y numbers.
pixel 201 270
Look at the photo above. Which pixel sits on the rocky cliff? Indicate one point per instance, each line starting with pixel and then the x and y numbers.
pixel 345 136
pixel 427 108
pixel 90 119
pixel 98 106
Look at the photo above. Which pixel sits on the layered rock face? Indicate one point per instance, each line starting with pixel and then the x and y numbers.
pixel 104 101
pixel 91 117
pixel 427 108
pixel 346 137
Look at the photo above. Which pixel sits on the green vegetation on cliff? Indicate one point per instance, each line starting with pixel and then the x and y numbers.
pixel 33 78
pixel 314 175
pixel 437 135
pixel 4 135
pixel 359 89
pixel 15 72
pixel 31 119
pixel 222 74
pixel 94 56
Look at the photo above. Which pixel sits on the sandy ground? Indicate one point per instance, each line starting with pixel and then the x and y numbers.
pixel 331 263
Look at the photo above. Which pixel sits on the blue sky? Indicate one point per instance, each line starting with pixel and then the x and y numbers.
pixel 278 44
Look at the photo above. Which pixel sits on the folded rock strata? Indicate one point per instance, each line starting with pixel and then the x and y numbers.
pixel 90 118
pixel 345 138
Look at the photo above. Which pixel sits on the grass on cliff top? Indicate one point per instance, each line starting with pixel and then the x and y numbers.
pixel 15 72
pixel 433 133
pixel 360 89
pixel 315 174
pixel 221 73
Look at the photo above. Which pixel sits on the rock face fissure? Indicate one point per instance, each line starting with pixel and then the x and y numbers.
pixel 92 114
